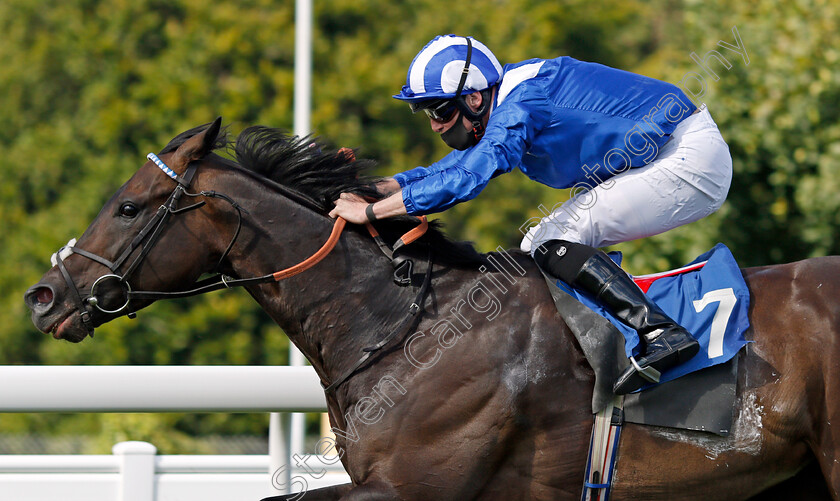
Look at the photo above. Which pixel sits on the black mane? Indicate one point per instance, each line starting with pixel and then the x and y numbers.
pixel 306 166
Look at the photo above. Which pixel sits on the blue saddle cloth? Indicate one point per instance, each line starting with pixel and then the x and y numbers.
pixel 708 297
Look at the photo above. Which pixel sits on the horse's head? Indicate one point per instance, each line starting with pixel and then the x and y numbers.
pixel 143 238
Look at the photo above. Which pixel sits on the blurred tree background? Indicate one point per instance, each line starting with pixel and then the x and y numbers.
pixel 88 87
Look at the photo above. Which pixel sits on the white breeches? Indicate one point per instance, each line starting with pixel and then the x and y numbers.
pixel 688 180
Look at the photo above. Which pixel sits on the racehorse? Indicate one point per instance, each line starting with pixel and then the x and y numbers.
pixel 462 382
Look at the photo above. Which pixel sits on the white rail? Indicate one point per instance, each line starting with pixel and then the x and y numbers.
pixel 134 472
pixel 58 388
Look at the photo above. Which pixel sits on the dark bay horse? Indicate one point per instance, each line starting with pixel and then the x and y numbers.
pixel 485 394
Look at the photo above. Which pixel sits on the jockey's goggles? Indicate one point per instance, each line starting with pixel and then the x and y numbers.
pixel 439 110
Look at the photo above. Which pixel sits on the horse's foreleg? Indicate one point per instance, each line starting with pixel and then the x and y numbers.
pixel 331 493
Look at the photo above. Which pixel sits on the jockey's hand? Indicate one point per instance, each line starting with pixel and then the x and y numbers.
pixel 351 207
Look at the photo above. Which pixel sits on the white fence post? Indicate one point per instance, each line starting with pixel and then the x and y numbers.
pixel 279 438
pixel 137 471
pixel 302 126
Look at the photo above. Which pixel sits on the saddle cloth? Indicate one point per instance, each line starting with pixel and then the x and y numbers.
pixel 708 297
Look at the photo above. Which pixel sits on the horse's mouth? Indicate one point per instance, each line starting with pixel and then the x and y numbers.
pixel 68 328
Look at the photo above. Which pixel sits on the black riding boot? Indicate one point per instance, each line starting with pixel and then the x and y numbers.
pixel 665 343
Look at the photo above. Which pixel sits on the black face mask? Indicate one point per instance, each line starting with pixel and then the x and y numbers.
pixel 458 137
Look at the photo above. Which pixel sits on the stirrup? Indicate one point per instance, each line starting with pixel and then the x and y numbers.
pixel 648 373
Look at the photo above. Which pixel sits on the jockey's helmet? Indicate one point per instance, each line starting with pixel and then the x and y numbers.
pixel 436 71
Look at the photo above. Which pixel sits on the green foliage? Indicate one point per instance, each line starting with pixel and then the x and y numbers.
pixel 780 115
pixel 88 87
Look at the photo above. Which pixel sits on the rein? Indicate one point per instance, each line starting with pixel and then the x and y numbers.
pixel 224 282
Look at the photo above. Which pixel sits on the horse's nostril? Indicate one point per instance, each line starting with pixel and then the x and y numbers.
pixel 44 295
pixel 40 296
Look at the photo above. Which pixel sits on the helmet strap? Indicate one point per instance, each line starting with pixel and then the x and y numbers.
pixel 477 116
pixel 466 69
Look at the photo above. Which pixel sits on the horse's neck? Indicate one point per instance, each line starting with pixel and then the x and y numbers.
pixel 334 309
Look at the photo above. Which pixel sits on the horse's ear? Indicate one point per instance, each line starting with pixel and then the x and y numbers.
pixel 200 145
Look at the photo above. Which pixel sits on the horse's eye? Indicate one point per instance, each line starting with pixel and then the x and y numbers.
pixel 128 210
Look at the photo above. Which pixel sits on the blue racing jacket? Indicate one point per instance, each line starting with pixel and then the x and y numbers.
pixel 563 123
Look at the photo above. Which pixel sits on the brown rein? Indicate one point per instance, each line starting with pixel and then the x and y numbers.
pixel 222 282
pixel 316 258
pixel 329 245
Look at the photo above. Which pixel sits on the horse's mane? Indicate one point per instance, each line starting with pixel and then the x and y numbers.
pixel 307 166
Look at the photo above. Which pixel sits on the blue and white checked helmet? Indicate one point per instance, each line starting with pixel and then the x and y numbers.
pixel 436 70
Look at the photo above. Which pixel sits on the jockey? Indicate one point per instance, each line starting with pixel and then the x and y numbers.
pixel 640 156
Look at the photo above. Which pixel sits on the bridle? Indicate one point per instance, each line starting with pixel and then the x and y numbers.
pixel 144 240
pixel 150 233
